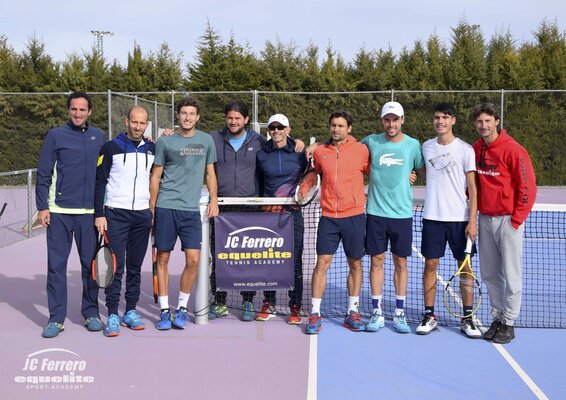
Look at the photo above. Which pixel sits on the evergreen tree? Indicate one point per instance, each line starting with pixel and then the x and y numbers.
pixel 437 61
pixel 503 63
pixel 467 69
pixel 552 52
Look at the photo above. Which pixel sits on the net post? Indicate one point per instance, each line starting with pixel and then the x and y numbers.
pixel 202 284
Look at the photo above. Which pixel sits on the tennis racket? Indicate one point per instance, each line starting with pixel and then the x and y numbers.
pixel 103 263
pixel 154 268
pixel 308 186
pixel 463 290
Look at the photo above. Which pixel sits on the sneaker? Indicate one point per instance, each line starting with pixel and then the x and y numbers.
pixel 164 322
pixel 248 312
pixel 295 317
pixel 490 333
pixel 400 323
pixel 427 325
pixel 314 325
pixel 180 318
pixel 112 326
pixel 218 311
pixel 504 334
pixel 469 328
pixel 93 324
pixel 133 321
pixel 353 322
pixel 376 322
pixel 267 312
pixel 52 330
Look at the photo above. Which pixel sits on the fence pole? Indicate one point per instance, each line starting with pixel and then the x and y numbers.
pixel 109 114
pixel 502 105
pixel 30 212
pixel 202 288
pixel 172 109
pixel 255 122
pixel 155 127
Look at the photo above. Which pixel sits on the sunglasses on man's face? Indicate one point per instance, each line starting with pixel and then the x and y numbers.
pixel 276 127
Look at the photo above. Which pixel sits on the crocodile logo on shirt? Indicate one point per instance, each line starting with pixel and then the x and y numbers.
pixel 386 159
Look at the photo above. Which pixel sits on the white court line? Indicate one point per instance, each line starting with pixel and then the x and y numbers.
pixel 312 374
pixel 522 374
pixel 504 353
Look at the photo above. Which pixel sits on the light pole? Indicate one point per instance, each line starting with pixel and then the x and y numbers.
pixel 99 35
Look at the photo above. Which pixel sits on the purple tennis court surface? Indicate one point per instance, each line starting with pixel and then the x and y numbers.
pixel 226 359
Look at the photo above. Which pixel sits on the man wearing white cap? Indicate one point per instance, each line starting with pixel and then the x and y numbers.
pixel 279 168
pixel 390 209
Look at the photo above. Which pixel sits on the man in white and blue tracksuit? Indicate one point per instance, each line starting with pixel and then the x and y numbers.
pixel 65 201
pixel 122 210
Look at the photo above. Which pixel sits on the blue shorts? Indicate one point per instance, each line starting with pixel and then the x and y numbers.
pixel 351 230
pixel 170 223
pixel 381 230
pixel 437 233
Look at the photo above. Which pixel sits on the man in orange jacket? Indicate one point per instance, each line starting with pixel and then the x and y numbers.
pixel 342 161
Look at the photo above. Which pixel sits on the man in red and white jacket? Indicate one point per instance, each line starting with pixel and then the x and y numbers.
pixel 506 194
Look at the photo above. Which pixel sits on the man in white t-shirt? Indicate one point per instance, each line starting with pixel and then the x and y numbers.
pixel 450 210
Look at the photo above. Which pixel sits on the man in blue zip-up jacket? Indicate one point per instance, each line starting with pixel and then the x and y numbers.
pixel 279 169
pixel 65 201
pixel 122 209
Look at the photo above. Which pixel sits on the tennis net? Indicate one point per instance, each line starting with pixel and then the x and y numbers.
pixel 544 285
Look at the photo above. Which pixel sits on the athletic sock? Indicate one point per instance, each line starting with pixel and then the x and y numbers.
pixel 399 304
pixel 429 310
pixel 353 303
pixel 163 302
pixel 376 302
pixel 183 299
pixel 316 306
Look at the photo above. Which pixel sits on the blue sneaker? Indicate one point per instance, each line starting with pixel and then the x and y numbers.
pixel 248 312
pixel 314 325
pixel 353 322
pixel 376 322
pixel 400 323
pixel 218 311
pixel 180 318
pixel 164 322
pixel 93 324
pixel 52 330
pixel 133 321
pixel 112 326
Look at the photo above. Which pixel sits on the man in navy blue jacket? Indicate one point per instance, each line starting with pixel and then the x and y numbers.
pixel 122 209
pixel 279 169
pixel 65 200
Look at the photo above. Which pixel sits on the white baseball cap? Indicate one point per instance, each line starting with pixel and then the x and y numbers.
pixel 278 118
pixel 392 107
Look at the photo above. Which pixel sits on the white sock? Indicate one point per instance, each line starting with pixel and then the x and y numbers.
pixel 316 306
pixel 183 299
pixel 353 303
pixel 163 302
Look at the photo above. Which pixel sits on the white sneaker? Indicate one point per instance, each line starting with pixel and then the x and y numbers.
pixel 427 325
pixel 469 328
pixel 376 322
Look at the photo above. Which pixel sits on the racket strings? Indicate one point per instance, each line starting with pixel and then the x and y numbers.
pixel 462 292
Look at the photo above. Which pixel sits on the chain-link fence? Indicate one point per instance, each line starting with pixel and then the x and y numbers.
pixel 17 206
pixel 534 118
